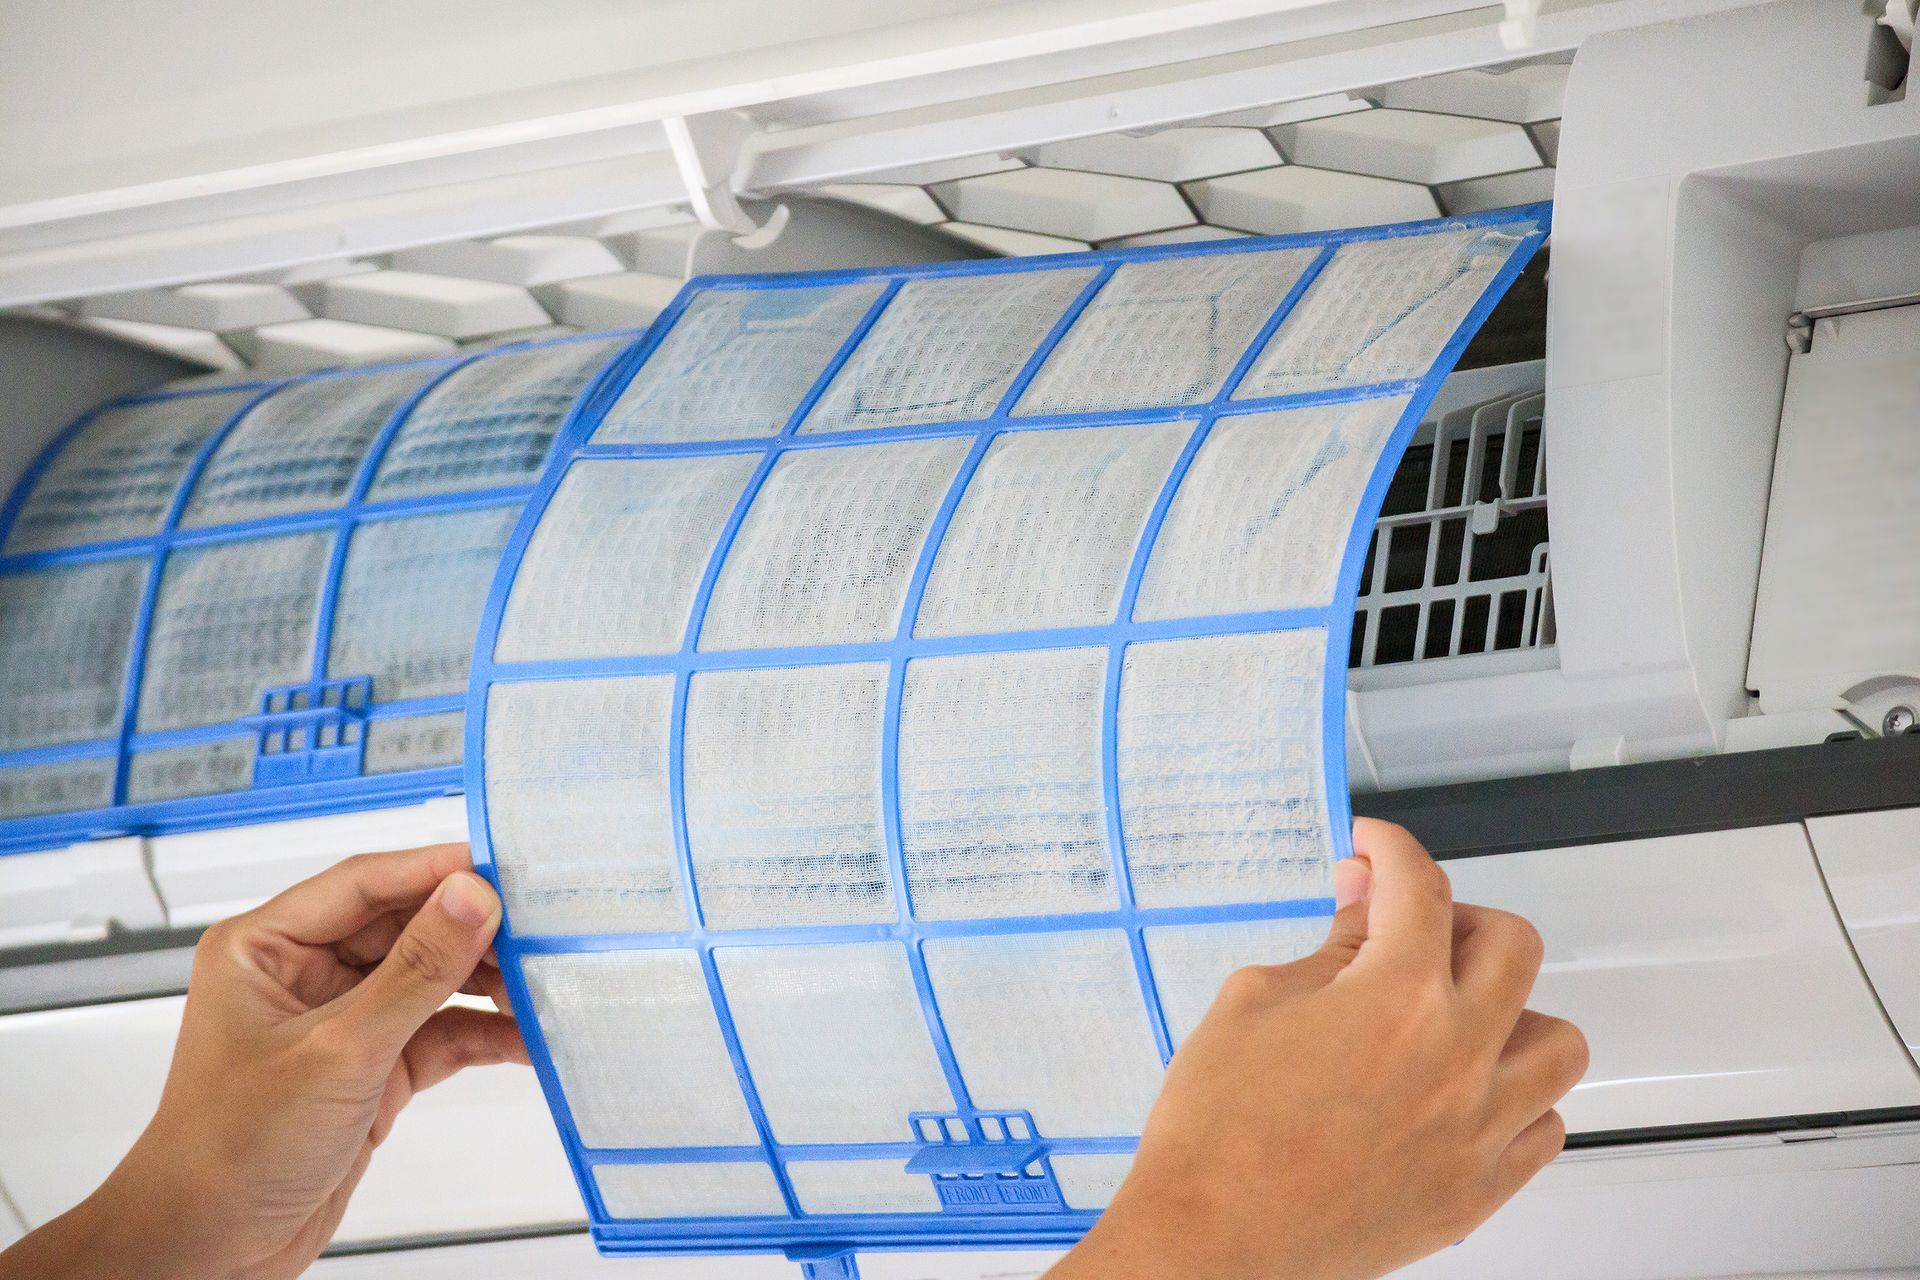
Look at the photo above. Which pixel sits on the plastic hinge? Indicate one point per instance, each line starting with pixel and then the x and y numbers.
pixel 985 1162
pixel 311 732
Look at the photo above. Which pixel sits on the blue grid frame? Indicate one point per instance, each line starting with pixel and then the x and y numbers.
pixel 818 1237
pixel 322 794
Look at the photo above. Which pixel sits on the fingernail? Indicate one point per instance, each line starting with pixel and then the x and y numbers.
pixel 1352 882
pixel 466 898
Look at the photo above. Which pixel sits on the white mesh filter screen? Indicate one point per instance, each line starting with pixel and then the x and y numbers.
pixel 1222 796
pixel 1381 311
pixel 1190 961
pixel 783 796
pixel 65 632
pixel 860 1186
pixel 579 821
pixel 410 599
pixel 1090 1181
pixel 1165 332
pixel 1046 529
pixel 651 1191
pixel 399 743
pixel 638 1049
pixel 766 348
pixel 1001 807
pixel 490 422
pixel 28 791
pixel 1050 1023
pixel 613 567
pixel 200 769
pixel 119 476
pixel 835 1038
pixel 300 448
pixel 1263 513
pixel 937 662
pixel 828 547
pixel 946 350
pixel 232 621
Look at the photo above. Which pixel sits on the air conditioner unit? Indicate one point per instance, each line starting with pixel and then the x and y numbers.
pixel 1634 647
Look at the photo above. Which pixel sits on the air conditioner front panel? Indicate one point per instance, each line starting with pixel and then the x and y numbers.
pixel 1709 974
pixel 476 1154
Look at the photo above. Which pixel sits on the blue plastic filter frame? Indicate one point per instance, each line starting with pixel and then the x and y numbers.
pixel 1040 1218
pixel 296 774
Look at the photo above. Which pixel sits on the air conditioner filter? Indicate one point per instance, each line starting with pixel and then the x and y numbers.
pixel 225 603
pixel 910 692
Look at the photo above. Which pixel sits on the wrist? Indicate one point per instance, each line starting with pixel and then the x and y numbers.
pixel 171 1203
pixel 107 1235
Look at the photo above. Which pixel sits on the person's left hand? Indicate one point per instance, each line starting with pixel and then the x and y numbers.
pixel 310 1022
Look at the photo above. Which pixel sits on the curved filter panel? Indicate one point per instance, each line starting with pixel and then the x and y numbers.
pixel 911 692
pixel 246 601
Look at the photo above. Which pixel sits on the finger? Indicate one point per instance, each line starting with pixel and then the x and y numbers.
pixel 486 981
pixel 1531 1151
pixel 1543 1059
pixel 1410 909
pixel 430 960
pixel 369 944
pixel 352 894
pixel 1496 957
pixel 453 1039
pixel 1352 882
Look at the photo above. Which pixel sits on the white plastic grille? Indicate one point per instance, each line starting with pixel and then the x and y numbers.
pixel 1459 562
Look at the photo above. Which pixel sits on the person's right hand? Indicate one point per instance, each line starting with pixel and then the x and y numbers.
pixel 1344 1115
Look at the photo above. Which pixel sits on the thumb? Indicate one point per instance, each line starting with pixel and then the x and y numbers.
pixel 1352 890
pixel 428 962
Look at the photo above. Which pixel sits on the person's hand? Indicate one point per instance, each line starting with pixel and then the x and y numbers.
pixel 1344 1115
pixel 310 1022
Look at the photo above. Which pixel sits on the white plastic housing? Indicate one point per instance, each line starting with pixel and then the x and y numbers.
pixel 205 876
pixel 1703 165
pixel 1872 864
pixel 1708 973
pixel 477 1153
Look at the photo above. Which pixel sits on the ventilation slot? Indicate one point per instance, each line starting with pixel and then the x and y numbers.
pixel 1458 563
